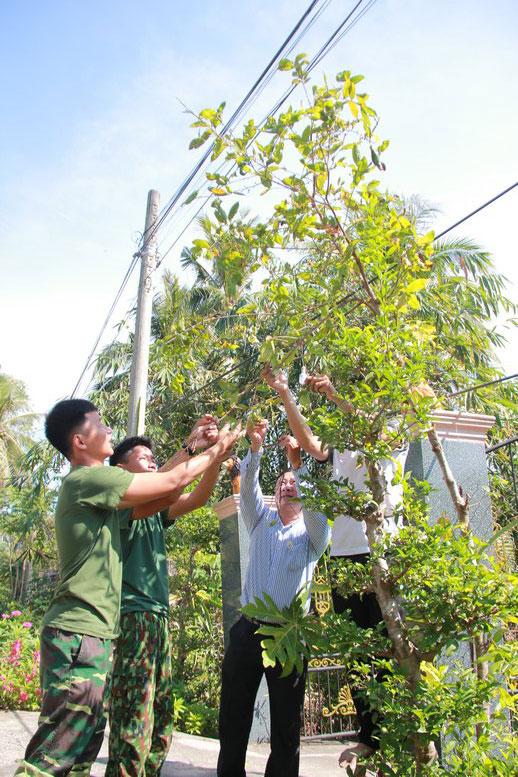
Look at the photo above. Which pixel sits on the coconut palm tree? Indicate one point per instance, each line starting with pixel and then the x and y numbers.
pixel 16 425
pixel 225 276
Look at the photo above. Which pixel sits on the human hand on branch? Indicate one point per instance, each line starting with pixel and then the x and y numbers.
pixel 321 384
pixel 278 382
pixel 204 433
pixel 292 450
pixel 227 437
pixel 256 434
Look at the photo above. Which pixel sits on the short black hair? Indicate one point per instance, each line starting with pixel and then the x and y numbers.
pixel 124 448
pixel 63 420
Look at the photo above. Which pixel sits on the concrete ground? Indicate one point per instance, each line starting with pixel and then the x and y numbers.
pixel 189 756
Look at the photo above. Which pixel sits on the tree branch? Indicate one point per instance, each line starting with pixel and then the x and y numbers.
pixel 461 503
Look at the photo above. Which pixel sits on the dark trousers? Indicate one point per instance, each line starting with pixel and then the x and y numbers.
pixel 366 613
pixel 241 674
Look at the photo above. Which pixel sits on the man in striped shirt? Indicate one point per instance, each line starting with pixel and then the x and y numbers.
pixel 285 545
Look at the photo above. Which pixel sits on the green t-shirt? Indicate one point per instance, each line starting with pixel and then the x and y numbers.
pixel 144 574
pixel 87 599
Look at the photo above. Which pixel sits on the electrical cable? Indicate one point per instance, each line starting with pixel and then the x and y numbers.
pixel 183 186
pixel 132 265
pixel 323 51
pixel 198 181
pixel 331 43
pixel 482 385
pixel 441 234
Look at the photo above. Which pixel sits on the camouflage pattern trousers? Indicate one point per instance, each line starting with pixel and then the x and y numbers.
pixel 141 697
pixel 73 673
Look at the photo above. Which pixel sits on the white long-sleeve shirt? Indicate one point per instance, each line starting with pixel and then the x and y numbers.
pixel 282 558
pixel 349 537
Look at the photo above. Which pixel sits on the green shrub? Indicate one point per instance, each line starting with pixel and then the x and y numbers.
pixel 19 663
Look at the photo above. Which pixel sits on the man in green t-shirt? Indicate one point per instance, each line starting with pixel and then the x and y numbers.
pixel 83 617
pixel 141 696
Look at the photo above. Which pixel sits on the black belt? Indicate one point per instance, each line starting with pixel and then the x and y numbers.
pixel 257 622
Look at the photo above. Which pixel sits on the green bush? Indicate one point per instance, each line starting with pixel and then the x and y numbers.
pixel 19 663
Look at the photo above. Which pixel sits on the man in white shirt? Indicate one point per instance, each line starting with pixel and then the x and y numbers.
pixel 349 538
pixel 285 545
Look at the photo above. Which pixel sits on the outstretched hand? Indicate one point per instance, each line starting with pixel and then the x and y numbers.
pixel 227 437
pixel 321 384
pixel 204 432
pixel 256 434
pixel 278 382
pixel 292 450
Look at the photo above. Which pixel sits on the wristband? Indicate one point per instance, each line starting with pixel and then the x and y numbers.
pixel 189 447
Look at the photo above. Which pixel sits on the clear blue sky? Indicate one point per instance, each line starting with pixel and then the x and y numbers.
pixel 91 121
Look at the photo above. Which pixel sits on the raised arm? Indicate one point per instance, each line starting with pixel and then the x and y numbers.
pixel 150 486
pixel 322 384
pixel 204 433
pixel 299 428
pixel 198 497
pixel 316 524
pixel 253 507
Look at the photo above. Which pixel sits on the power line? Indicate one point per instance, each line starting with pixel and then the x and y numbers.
pixel 336 36
pixel 197 168
pixel 476 211
pixel 183 186
pixel 482 385
pixel 201 178
pixel 132 265
pixel 264 77
pixel 340 32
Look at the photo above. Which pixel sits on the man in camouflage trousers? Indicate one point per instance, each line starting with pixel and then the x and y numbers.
pixel 141 698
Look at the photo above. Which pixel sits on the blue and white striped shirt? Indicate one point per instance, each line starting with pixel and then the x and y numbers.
pixel 282 558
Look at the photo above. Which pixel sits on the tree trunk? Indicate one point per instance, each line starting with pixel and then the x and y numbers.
pixel 405 651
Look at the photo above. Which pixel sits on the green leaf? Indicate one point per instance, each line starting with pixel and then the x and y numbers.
pixel 375 159
pixel 191 197
pixel 285 64
pixel 197 142
pixel 511 525
pixel 233 210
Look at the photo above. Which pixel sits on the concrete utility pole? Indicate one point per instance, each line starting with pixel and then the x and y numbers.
pixel 140 361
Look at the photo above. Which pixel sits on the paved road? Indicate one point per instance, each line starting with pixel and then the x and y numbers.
pixel 189 756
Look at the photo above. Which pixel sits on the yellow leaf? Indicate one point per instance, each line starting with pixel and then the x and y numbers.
pixel 416 285
pixel 267 661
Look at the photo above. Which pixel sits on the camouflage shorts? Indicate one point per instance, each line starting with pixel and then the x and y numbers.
pixel 73 673
pixel 141 697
